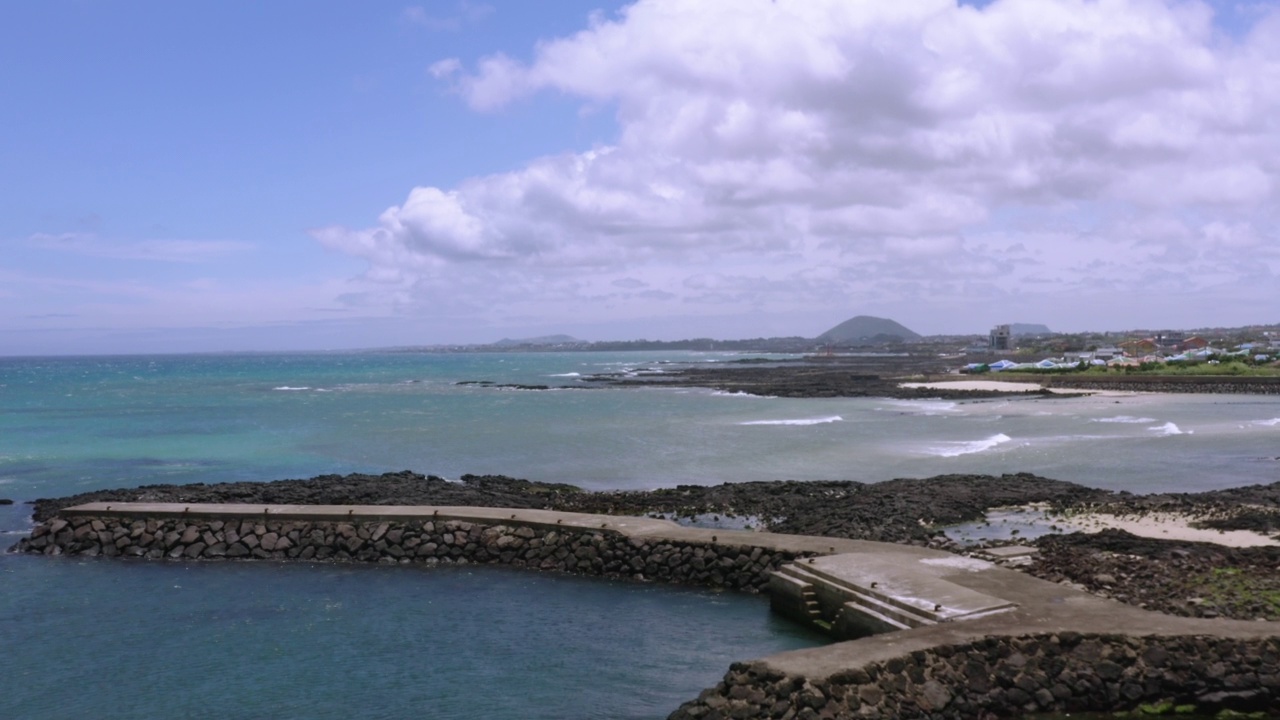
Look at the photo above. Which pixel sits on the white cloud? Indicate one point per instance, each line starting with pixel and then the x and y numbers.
pixel 918 157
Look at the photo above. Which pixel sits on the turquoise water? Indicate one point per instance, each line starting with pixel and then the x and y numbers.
pixel 121 639
pixel 73 424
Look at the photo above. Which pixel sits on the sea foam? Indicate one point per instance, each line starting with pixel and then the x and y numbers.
pixel 923 407
pixel 569 374
pixel 956 449
pixel 803 421
pixel 1126 419
pixel 286 387
pixel 1268 423
pixel 1166 429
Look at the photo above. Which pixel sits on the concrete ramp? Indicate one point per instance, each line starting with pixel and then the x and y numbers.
pixel 859 594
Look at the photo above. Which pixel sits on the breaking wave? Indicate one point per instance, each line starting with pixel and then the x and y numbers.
pixel 804 421
pixel 1166 429
pixel 1126 419
pixel 956 449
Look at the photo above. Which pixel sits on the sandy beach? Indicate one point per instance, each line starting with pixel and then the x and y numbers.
pixel 1167 526
pixel 986 385
pixel 1004 386
pixel 1036 520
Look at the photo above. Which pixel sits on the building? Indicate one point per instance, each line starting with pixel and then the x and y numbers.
pixel 1134 348
pixel 1001 338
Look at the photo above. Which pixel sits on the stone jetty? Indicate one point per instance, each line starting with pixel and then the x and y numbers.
pixel 930 634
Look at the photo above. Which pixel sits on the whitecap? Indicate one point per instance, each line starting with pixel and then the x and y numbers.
pixel 956 449
pixel 1268 423
pixel 566 375
pixel 286 387
pixel 925 407
pixel 1126 419
pixel 803 421
pixel 1166 429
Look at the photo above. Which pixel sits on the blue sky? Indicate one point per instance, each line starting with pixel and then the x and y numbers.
pixel 304 175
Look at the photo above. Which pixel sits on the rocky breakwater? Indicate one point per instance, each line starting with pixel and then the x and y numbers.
pixel 564 549
pixel 1011 676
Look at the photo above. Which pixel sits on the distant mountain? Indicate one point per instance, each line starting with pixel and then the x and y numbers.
pixel 867 329
pixel 542 340
pixel 1029 329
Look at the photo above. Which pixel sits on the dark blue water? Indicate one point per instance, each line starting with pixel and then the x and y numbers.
pixel 122 639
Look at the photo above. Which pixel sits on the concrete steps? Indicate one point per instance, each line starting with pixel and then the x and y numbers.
pixel 883 608
pixel 858 594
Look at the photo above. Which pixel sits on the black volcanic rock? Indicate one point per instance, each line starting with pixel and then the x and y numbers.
pixel 399 488
pixel 891 511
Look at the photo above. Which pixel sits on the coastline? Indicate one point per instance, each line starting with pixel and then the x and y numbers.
pixel 932 668
pixel 904 511
pixel 914 378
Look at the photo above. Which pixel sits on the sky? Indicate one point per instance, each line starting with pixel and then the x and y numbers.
pixel 307 174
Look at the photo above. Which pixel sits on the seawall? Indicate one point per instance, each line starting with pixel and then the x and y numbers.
pixel 1008 676
pixel 585 544
pixel 979 640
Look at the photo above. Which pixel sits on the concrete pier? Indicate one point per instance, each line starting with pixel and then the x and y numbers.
pixel 934 631
pixel 855 588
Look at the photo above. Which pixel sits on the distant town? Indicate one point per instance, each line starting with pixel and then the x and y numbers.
pixel 1022 347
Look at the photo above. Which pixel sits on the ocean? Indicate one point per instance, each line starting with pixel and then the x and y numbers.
pixel 123 639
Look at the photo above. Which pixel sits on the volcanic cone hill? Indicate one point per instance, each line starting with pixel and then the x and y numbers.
pixel 865 329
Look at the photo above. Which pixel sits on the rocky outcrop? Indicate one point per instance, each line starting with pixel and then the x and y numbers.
pixel 1173 577
pixel 1012 676
pixel 890 511
pixel 571 550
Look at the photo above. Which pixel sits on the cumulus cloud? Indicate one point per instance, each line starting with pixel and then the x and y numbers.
pixel 927 158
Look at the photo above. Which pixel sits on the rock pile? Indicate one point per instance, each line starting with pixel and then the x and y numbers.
pixel 1179 578
pixel 1011 676
pixel 901 510
pixel 572 550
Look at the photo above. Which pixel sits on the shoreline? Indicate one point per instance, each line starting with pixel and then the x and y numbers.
pixel 912 377
pixel 904 510
pixel 987 621
pixel 910 511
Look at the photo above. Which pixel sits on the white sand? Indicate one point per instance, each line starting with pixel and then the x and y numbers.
pixel 992 385
pixel 1035 520
pixel 1167 526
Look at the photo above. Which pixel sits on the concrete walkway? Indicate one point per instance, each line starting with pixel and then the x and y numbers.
pixel 963 598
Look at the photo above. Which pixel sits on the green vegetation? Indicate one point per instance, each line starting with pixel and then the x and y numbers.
pixel 1234 368
pixel 1233 586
